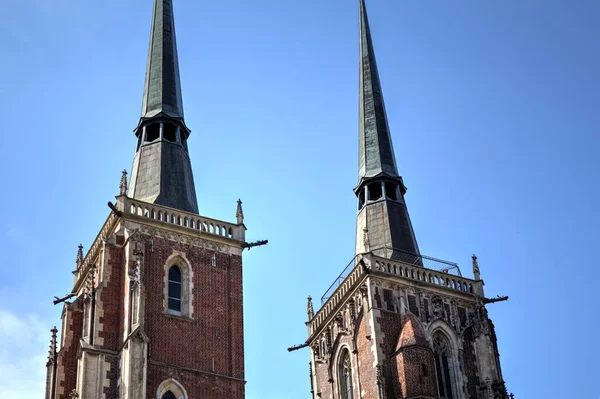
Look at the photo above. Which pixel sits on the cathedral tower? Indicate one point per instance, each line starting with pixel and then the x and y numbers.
pixel 397 324
pixel 156 306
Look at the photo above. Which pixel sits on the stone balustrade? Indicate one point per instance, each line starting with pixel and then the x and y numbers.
pixel 96 246
pixel 424 275
pixel 182 219
pixel 332 302
pixel 400 269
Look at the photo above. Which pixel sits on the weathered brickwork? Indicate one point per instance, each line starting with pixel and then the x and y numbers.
pixel 112 375
pixel 391 364
pixel 67 356
pixel 110 300
pixel 367 361
pixel 390 325
pixel 197 384
pixel 212 340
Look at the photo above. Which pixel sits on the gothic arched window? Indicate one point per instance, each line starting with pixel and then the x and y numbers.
pixel 345 375
pixel 443 355
pixel 175 289
pixel 171 389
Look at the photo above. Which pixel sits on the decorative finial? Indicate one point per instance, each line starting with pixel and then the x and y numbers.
pixel 240 212
pixel 309 308
pixel 74 394
pixel 52 351
pixel 123 184
pixel 476 268
pixel 511 396
pixel 366 241
pixel 79 259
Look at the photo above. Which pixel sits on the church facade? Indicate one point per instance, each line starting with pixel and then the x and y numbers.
pixel 156 307
pixel 397 323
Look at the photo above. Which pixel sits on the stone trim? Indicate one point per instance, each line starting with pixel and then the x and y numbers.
pixel 163 364
pixel 441 327
pixel 180 260
pixel 171 385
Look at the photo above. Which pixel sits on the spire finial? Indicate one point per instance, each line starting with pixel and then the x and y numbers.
pixel 309 308
pixel 52 351
pixel 240 212
pixel 123 183
pixel 475 268
pixel 79 259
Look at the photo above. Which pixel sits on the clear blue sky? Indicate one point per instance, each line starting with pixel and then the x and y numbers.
pixel 494 113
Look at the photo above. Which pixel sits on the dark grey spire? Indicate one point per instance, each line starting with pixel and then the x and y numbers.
pixel 376 153
pixel 383 223
pixel 162 91
pixel 162 172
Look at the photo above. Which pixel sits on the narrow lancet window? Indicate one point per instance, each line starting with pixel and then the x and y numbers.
pixel 175 290
pixel 345 376
pixel 169 395
pixel 441 349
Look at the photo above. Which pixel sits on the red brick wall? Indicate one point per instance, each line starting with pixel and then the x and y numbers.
pixel 390 325
pixel 322 376
pixel 367 373
pixel 110 297
pixel 414 380
pixel 197 385
pixel 216 331
pixel 67 357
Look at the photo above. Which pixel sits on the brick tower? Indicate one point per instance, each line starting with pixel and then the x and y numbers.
pixel 396 323
pixel 156 305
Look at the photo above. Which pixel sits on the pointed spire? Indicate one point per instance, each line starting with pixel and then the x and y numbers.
pixel 476 273
pixel 123 183
pixel 376 153
pixel 309 308
pixel 380 188
pixel 162 90
pixel 79 258
pixel 162 172
pixel 240 212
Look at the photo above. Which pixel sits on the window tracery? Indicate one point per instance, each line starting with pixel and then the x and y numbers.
pixel 443 355
pixel 345 376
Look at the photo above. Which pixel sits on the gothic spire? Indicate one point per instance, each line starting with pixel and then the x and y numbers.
pixel 376 153
pixel 162 171
pixel 162 91
pixel 383 224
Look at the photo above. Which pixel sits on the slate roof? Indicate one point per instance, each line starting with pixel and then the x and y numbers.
pixel 162 90
pixel 376 153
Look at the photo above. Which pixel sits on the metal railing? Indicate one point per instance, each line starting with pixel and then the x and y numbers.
pixel 336 283
pixel 400 255
pixel 397 255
